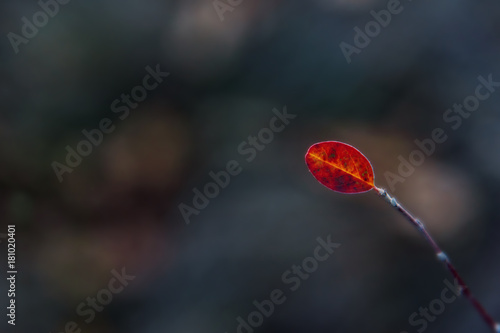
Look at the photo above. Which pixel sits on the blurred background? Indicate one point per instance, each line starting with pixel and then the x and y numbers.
pixel 229 66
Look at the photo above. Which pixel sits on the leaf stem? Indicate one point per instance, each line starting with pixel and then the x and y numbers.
pixel 464 289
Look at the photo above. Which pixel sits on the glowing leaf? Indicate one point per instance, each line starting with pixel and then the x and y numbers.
pixel 340 167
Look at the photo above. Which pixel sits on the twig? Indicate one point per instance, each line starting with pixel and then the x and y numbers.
pixel 464 289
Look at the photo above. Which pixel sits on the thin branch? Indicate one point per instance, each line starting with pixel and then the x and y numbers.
pixel 464 289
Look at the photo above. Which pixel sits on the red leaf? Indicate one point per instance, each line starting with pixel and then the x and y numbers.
pixel 340 167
